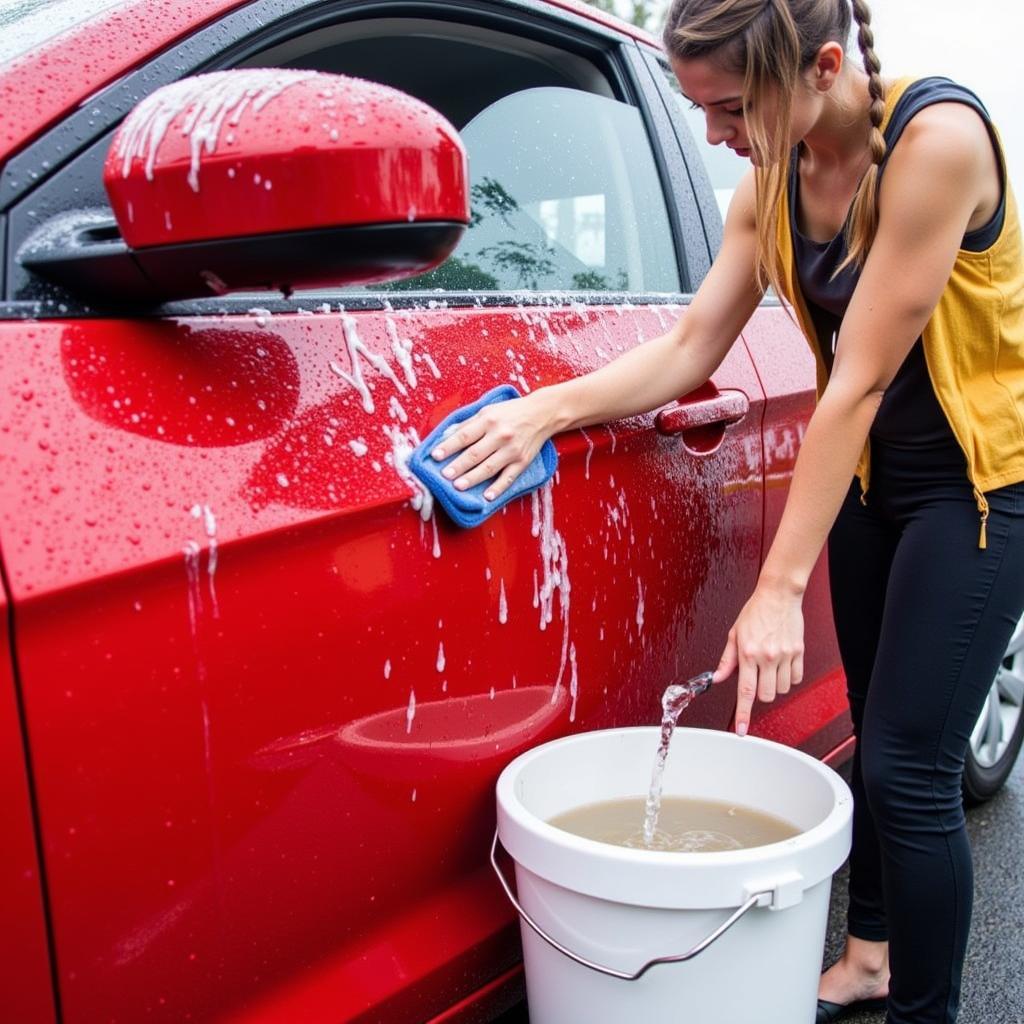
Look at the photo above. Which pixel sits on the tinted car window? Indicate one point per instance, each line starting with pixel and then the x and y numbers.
pixel 565 195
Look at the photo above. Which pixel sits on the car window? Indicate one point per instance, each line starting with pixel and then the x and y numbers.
pixel 564 190
pixel 724 168
pixel 565 195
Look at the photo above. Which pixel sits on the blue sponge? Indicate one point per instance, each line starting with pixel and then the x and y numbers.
pixel 469 507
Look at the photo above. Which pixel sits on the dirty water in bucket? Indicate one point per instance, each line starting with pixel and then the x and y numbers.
pixel 686 825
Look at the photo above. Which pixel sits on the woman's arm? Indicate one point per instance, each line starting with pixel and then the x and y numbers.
pixel 505 437
pixel 931 188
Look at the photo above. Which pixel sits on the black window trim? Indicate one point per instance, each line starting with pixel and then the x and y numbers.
pixel 658 68
pixel 265 23
pixel 677 183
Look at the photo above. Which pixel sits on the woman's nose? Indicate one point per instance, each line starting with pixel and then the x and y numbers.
pixel 718 132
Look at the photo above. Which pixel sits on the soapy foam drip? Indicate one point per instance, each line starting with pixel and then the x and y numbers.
pixel 209 100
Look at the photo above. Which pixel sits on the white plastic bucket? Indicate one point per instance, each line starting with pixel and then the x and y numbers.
pixel 617 908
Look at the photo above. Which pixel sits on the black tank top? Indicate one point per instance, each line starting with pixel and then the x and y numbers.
pixel 909 414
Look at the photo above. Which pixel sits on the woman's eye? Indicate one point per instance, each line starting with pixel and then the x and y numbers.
pixel 732 113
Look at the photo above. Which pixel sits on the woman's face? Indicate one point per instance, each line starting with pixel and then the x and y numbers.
pixel 719 93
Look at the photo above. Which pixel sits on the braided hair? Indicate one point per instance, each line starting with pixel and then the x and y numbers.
pixel 863 223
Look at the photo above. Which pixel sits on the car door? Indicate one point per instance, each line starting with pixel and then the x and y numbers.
pixel 815 715
pixel 267 688
pixel 27 974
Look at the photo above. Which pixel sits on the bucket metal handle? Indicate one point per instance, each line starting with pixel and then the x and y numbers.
pixel 752 901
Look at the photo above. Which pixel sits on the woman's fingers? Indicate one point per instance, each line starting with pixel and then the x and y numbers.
pixel 477 440
pixel 767 672
pixel 727 663
pixel 484 460
pixel 458 469
pixel 763 676
pixel 798 669
pixel 768 640
pixel 746 691
pixel 468 433
pixel 784 677
pixel 489 467
pixel 504 482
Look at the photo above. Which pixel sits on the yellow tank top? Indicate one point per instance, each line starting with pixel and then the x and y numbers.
pixel 973 345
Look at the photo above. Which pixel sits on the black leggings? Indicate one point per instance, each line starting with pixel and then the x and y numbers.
pixel 923 618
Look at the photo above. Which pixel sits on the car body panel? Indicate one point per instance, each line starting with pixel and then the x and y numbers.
pixel 39 87
pixel 267 701
pixel 28 992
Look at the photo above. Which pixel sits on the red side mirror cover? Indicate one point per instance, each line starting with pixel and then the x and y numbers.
pixel 265 151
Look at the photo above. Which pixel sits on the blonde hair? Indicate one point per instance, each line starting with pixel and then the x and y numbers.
pixel 770 42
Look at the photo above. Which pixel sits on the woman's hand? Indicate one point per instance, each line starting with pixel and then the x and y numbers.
pixel 501 438
pixel 767 642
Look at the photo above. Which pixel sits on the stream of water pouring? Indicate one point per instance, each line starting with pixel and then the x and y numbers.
pixel 673 701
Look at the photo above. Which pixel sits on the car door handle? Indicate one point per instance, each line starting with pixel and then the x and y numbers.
pixel 727 407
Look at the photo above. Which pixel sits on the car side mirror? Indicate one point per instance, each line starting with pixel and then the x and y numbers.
pixel 265 178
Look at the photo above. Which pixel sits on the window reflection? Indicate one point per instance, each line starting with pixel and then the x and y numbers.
pixel 565 195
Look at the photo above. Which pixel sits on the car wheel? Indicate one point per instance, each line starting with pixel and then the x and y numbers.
pixel 997 735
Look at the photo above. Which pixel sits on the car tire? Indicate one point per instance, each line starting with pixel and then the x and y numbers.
pixel 997 736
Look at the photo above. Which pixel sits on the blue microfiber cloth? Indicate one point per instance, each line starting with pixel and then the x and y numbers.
pixel 469 507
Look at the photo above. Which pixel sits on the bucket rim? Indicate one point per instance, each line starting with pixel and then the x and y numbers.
pixel 512 809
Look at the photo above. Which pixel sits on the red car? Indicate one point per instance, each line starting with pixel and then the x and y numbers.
pixel 258 692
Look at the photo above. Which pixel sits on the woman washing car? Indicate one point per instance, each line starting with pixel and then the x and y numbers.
pixel 881 210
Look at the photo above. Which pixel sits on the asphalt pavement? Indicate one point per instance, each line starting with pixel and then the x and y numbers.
pixel 993 979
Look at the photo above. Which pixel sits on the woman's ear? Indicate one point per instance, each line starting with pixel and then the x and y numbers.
pixel 827 66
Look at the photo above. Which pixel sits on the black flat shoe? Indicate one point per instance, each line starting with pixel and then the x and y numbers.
pixel 828 1012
